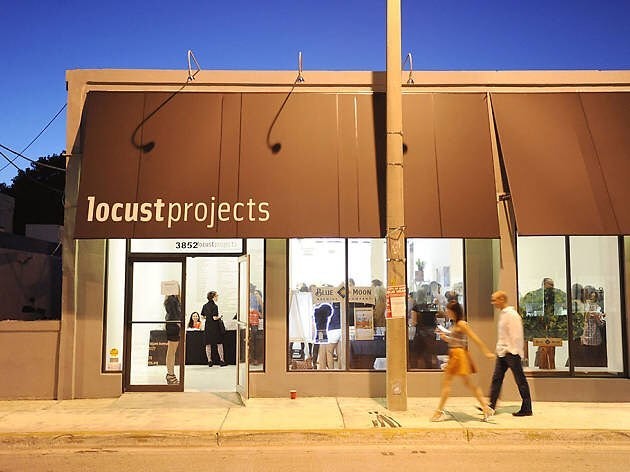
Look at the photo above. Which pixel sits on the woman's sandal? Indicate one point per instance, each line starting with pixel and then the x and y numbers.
pixel 171 379
pixel 487 414
pixel 439 415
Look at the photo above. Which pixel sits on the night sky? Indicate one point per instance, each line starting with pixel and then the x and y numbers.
pixel 40 40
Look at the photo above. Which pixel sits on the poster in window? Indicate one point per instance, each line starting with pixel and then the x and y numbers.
pixel 364 319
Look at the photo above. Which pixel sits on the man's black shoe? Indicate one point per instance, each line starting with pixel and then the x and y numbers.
pixel 522 413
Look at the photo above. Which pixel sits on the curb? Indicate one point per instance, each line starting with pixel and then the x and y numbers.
pixel 399 436
pixel 102 439
pixel 411 436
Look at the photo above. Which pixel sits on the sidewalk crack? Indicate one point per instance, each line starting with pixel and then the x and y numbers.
pixel 343 420
pixel 218 434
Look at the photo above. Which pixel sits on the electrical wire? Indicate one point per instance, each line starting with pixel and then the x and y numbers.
pixel 37 163
pixel 38 135
pixel 56 190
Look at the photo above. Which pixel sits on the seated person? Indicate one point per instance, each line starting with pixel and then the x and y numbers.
pixel 423 351
pixel 194 322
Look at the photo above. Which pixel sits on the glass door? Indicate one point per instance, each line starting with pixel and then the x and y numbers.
pixel 154 327
pixel 242 330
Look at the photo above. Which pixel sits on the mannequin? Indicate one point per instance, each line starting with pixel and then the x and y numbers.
pixel 322 315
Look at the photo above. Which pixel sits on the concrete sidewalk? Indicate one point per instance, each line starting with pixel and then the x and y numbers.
pixel 175 419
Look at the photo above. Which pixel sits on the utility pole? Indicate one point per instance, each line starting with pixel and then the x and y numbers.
pixel 396 281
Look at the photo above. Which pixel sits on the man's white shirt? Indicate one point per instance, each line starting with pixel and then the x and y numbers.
pixel 510 333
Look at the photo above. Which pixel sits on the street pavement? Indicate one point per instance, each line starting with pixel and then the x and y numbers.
pixel 220 419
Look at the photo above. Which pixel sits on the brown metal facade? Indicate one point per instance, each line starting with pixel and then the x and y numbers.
pixel 566 155
pixel 313 164
pixel 231 165
pixel 280 165
pixel 449 178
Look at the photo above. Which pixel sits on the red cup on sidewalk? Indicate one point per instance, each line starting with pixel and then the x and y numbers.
pixel 293 394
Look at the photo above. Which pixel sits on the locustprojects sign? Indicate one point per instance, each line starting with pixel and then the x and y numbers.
pixel 171 213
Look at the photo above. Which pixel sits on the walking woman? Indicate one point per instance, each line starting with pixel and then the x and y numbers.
pixel 214 330
pixel 459 362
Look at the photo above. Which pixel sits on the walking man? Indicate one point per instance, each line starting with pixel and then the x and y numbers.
pixel 509 354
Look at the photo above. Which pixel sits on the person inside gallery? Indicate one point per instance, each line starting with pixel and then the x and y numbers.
pixel 214 331
pixel 546 305
pixel 593 338
pixel 380 296
pixel 173 308
pixel 195 321
pixel 424 343
pixel 255 322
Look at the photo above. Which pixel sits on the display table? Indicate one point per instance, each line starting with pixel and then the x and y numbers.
pixel 196 348
pixel 363 353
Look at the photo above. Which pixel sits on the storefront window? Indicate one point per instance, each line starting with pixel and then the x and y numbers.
pixel 592 341
pixel 366 303
pixel 435 276
pixel 317 274
pixel 596 304
pixel 543 302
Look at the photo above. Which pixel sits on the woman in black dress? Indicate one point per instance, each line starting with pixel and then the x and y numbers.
pixel 173 308
pixel 214 330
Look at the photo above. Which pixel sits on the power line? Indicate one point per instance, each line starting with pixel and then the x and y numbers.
pixel 37 163
pixel 56 190
pixel 36 137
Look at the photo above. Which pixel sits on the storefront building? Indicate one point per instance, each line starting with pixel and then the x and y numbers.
pixel 272 193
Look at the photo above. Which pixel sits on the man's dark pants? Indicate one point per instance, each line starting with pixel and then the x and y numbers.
pixel 512 362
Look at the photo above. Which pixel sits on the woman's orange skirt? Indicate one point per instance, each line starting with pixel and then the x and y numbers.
pixel 460 362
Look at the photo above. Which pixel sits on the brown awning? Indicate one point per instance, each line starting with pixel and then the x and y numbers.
pixel 231 165
pixel 268 165
pixel 608 116
pixel 566 155
pixel 449 177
